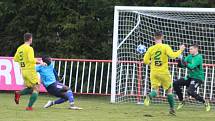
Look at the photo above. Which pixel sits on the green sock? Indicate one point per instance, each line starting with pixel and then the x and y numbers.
pixel 171 100
pixel 152 94
pixel 33 98
pixel 26 91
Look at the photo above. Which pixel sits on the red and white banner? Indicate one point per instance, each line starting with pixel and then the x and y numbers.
pixel 10 75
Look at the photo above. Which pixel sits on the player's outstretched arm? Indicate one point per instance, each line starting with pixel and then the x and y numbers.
pixel 173 54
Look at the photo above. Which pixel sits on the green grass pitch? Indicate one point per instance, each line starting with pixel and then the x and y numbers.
pixel 95 109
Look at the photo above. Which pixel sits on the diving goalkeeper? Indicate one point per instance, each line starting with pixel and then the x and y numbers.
pixel 49 79
pixel 193 62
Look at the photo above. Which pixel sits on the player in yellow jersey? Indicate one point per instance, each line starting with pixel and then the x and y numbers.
pixel 25 57
pixel 157 56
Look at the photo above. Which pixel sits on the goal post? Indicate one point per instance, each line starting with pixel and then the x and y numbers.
pixel 114 55
pixel 136 25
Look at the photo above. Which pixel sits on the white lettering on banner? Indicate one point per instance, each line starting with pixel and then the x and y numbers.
pixel 6 71
pixel 17 73
pixel 11 76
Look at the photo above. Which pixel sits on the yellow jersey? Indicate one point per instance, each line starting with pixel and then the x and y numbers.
pixel 25 57
pixel 157 56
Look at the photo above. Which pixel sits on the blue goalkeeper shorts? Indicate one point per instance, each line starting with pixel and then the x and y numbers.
pixel 57 89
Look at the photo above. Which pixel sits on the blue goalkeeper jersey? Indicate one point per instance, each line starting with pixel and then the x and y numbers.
pixel 48 74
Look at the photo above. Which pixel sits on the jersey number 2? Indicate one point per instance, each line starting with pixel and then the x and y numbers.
pixel 157 58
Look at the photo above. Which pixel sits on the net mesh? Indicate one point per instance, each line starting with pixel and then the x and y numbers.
pixel 138 27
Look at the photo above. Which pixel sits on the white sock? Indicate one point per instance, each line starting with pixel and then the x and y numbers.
pixel 72 104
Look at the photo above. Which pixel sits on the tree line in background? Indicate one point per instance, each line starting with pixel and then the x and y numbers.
pixel 68 28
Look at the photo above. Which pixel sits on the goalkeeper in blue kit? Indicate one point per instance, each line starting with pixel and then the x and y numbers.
pixel 194 63
pixel 49 79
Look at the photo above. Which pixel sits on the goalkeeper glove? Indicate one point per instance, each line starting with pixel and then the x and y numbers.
pixel 185 63
pixel 181 63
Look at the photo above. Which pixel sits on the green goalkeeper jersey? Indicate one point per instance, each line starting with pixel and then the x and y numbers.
pixel 195 66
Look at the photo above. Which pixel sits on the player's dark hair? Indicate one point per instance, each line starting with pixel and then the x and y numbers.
pixel 158 34
pixel 195 46
pixel 46 59
pixel 27 36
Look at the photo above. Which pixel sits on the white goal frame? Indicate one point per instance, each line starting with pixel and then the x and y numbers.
pixel 115 34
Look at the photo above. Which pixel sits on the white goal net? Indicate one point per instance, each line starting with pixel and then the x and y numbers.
pixel 136 25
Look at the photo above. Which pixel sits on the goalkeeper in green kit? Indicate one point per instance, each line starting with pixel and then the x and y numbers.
pixel 194 63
